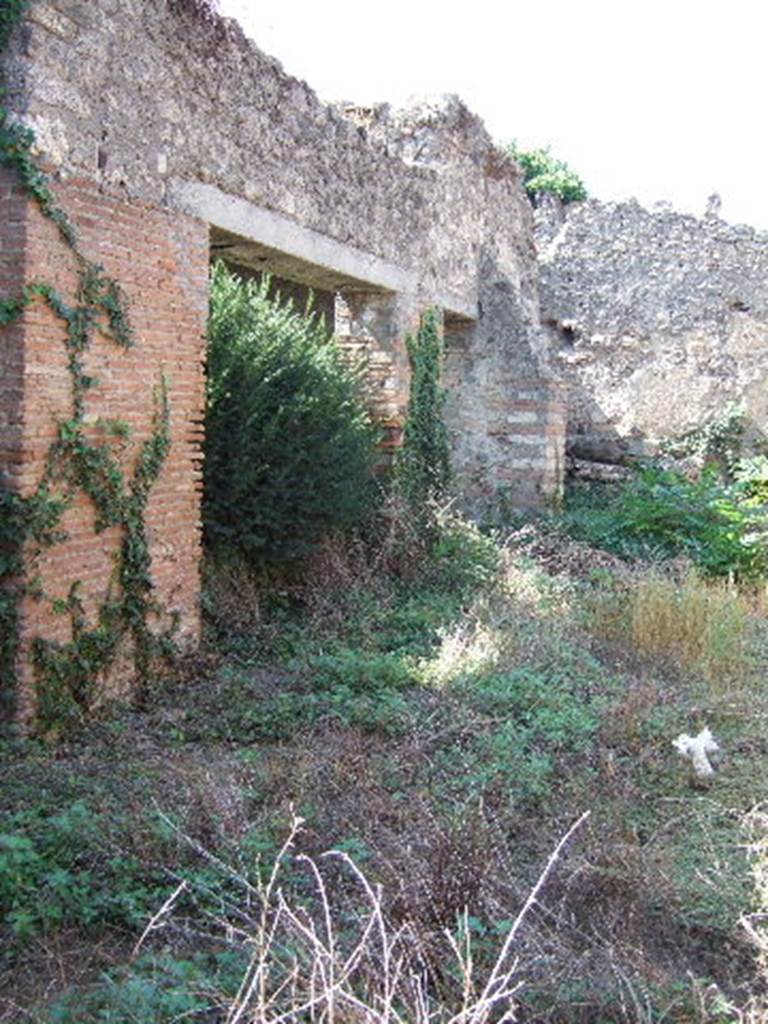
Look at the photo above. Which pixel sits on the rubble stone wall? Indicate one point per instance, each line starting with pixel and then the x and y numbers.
pixel 145 96
pixel 659 321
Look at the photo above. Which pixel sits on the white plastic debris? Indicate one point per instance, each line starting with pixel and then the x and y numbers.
pixel 696 749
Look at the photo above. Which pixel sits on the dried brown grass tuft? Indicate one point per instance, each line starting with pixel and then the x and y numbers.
pixel 336 957
pixel 701 628
pixel 232 594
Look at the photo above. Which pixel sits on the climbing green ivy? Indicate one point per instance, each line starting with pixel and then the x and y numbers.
pixel 67 672
pixel 422 469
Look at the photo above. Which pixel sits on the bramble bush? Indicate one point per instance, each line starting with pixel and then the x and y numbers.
pixel 289 445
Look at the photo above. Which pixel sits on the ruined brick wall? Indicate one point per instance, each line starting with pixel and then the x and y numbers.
pixel 659 321
pixel 161 262
pixel 145 113
pixel 12 246
pixel 142 97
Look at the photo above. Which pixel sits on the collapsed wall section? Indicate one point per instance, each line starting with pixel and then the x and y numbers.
pixel 659 321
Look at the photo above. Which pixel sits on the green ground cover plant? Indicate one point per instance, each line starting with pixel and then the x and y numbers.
pixel 443 735
pixel 661 513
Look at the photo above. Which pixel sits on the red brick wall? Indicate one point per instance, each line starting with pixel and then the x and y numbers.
pixel 12 239
pixel 161 262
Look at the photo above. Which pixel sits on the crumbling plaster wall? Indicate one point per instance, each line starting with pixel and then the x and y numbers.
pixel 144 96
pixel 659 320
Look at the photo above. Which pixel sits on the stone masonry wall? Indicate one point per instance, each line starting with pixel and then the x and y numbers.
pixel 659 321
pixel 142 96
pixel 139 94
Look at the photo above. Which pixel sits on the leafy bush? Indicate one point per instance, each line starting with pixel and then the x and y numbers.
pixel 751 476
pixel 661 513
pixel 289 444
pixel 533 718
pixel 717 442
pixel 543 172
pixel 462 559
pixel 155 990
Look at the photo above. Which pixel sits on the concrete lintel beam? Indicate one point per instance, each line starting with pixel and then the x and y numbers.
pixel 322 257
pixel 265 240
pixel 456 307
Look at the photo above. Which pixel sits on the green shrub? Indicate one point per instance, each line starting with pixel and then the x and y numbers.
pixel 528 720
pixel 462 559
pixel 543 172
pixel 662 513
pixel 751 476
pixel 361 672
pixel 719 441
pixel 155 989
pixel 289 444
pixel 53 873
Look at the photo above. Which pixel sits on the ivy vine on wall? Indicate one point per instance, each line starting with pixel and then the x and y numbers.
pixel 423 465
pixel 66 673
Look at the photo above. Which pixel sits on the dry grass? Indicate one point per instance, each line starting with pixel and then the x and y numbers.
pixel 337 958
pixel 481 642
pixel 232 595
pixel 756 923
pixel 703 629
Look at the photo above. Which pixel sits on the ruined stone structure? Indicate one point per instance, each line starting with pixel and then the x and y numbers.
pixel 659 321
pixel 170 139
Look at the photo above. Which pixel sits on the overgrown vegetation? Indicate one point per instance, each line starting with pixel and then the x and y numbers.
pixel 479 724
pixel 440 705
pixel 289 445
pixel 441 720
pixel 665 512
pixel 543 172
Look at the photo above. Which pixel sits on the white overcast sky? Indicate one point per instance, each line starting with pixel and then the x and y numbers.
pixel 658 99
